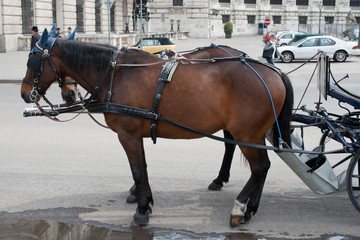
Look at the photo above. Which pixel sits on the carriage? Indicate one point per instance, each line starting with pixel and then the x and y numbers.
pixel 216 84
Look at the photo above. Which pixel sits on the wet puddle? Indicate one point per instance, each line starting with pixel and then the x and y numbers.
pixel 53 230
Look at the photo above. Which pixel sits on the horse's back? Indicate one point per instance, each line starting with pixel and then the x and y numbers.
pixel 222 95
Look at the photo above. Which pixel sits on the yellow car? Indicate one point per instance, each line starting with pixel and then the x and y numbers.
pixel 155 45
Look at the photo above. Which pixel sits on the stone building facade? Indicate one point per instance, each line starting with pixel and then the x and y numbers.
pixel 200 18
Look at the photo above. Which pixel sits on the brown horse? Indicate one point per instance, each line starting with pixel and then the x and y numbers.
pixel 218 51
pixel 209 52
pixel 226 95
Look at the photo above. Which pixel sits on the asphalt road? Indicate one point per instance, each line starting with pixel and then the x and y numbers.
pixel 78 172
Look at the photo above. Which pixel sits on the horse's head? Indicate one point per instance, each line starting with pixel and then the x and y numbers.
pixel 41 70
pixel 67 84
pixel 68 90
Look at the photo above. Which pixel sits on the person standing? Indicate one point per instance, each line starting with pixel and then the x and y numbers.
pixel 35 36
pixel 270 50
pixel 69 31
pixel 57 34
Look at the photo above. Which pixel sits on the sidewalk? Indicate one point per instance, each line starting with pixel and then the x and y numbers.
pixel 13 64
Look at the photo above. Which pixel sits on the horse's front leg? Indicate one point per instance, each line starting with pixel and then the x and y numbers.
pixel 134 149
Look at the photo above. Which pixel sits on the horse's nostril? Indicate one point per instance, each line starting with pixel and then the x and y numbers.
pixel 73 94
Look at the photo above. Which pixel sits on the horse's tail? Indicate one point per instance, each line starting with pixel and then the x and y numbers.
pixel 285 115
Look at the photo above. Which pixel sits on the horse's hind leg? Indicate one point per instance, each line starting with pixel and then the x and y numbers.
pixel 134 149
pixel 247 202
pixel 224 173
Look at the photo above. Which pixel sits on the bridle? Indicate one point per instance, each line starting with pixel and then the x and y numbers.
pixel 36 64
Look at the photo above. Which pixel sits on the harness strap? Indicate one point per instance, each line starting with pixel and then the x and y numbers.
pixel 113 64
pixel 62 82
pixel 92 95
pixel 142 113
pixel 54 68
pixel 165 76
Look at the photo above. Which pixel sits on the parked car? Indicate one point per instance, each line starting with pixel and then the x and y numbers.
pixel 155 45
pixel 267 36
pixel 306 48
pixel 353 34
pixel 283 38
pixel 299 37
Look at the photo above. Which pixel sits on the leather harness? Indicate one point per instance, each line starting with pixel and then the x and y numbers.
pixel 165 77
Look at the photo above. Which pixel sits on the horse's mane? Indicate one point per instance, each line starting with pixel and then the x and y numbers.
pixel 81 55
pixel 133 50
pixel 217 46
pixel 132 55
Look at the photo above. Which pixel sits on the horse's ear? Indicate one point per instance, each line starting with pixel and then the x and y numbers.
pixel 44 38
pixel 72 35
pixel 53 31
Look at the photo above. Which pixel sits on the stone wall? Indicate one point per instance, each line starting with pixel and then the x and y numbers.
pixel 200 18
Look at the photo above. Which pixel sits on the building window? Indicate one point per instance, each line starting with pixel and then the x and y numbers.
pixel 276 2
pixel 303 20
pixel 97 16
pixel 357 19
pixel 54 11
pixel 80 15
pixel 302 2
pixel 329 20
pixel 250 1
pixel 329 2
pixel 225 18
pixel 27 16
pixel 224 1
pixel 277 19
pixel 112 18
pixel 177 2
pixel 354 3
pixel 251 19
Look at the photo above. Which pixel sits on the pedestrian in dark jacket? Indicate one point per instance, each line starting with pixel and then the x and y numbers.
pixel 57 34
pixel 35 36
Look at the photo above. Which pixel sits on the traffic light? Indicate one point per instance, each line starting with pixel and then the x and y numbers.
pixel 147 16
pixel 143 13
pixel 143 2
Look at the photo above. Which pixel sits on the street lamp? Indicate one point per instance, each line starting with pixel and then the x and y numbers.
pixel 178 25
pixel 172 25
pixel 127 21
pixel 320 6
pixel 134 18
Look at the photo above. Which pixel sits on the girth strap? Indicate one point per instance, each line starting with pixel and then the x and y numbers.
pixel 165 76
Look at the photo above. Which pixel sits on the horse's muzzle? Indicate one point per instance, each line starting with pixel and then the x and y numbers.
pixel 32 97
pixel 25 97
pixel 69 98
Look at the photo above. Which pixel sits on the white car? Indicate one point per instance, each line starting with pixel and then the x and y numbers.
pixel 283 38
pixel 306 48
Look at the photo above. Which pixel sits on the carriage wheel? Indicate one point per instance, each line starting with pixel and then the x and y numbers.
pixel 353 180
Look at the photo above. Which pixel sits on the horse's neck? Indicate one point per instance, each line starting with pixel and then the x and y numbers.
pixel 89 80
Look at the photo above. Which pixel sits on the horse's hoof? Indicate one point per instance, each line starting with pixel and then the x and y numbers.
pixel 140 219
pixel 132 199
pixel 236 220
pixel 215 187
pixel 237 213
pixel 133 189
pixel 247 217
